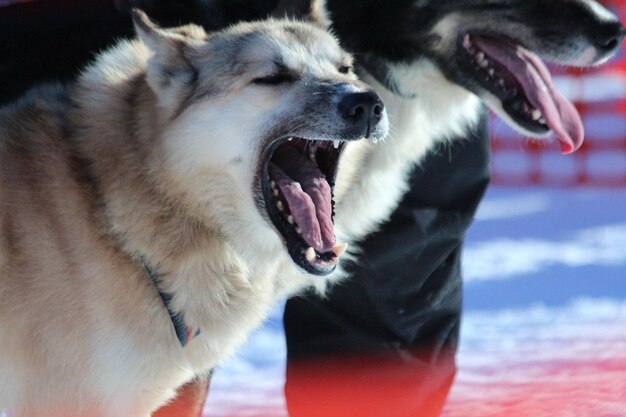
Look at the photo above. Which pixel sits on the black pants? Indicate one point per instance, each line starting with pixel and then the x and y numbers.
pixel 395 324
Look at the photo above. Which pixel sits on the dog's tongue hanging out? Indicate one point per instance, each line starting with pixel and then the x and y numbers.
pixel 534 78
pixel 308 196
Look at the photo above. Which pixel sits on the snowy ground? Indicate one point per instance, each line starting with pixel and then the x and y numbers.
pixel 544 331
pixel 545 295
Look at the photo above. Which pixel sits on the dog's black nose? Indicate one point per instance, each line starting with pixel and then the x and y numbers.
pixel 362 107
pixel 609 37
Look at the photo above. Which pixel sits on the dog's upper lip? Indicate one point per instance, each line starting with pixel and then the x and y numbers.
pixel 535 79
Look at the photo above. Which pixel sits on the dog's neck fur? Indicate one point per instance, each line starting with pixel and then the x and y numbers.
pixel 438 111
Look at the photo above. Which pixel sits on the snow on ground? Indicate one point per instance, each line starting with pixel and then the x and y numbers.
pixel 505 258
pixel 544 330
pixel 545 327
pixel 567 361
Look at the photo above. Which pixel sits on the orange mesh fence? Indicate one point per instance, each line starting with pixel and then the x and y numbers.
pixel 600 96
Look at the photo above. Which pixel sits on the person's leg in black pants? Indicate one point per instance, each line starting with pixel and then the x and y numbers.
pixel 383 342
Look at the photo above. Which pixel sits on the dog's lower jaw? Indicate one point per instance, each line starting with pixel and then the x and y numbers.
pixel 374 177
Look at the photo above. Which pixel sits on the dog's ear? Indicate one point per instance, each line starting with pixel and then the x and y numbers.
pixel 314 11
pixel 169 66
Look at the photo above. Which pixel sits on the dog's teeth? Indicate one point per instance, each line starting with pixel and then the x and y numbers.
pixel 542 121
pixel 280 205
pixel 290 219
pixel 273 184
pixel 484 63
pixel 310 254
pixel 480 56
pixel 536 114
pixel 298 230
pixel 275 192
pixel 491 72
pixel 500 82
pixel 289 139
pixel 336 144
pixel 340 249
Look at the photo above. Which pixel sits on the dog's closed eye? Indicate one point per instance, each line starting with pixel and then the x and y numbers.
pixel 281 77
pixel 345 69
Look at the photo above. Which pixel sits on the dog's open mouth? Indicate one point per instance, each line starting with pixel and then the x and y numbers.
pixel 298 180
pixel 523 84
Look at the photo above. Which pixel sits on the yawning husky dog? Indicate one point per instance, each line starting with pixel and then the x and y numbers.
pixel 434 61
pixel 149 205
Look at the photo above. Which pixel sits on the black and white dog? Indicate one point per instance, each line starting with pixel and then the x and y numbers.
pixel 435 61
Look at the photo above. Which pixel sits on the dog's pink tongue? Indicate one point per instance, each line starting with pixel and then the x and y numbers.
pixel 560 114
pixel 308 195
